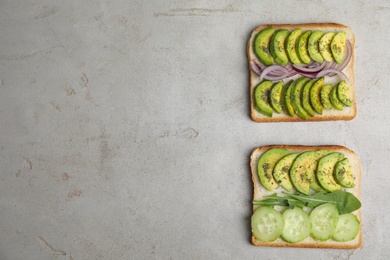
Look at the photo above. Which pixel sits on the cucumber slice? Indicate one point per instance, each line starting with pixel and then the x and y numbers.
pixel 267 224
pixel 324 220
pixel 347 228
pixel 296 225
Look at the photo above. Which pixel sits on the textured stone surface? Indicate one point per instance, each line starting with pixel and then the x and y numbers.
pixel 125 129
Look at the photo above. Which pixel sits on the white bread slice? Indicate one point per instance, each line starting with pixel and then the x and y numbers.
pixel 259 192
pixel 347 113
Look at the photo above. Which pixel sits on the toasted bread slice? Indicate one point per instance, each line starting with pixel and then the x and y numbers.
pixel 259 192
pixel 347 113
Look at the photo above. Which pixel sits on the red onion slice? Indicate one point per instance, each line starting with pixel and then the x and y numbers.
pixel 273 68
pixel 259 64
pixel 309 70
pixel 331 71
pixel 256 69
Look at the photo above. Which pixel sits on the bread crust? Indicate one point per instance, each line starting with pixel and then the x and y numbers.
pixel 259 192
pixel 348 113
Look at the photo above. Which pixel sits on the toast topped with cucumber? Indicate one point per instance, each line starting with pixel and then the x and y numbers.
pixel 301 72
pixel 306 196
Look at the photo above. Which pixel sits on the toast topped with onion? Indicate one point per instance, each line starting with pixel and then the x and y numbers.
pixel 289 66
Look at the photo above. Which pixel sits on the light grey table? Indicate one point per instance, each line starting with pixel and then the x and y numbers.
pixel 125 129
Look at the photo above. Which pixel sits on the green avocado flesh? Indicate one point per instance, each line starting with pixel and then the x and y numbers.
pixel 287 98
pixel 338 46
pixel 261 45
pixel 324 46
pixel 315 97
pixel 306 98
pixel 302 46
pixel 313 47
pixel 296 96
pixel 276 97
pixel 334 99
pixel 343 173
pixel 344 94
pixel 266 164
pixel 261 95
pixel 325 171
pixel 291 43
pixel 325 96
pixel 277 48
pixel 281 171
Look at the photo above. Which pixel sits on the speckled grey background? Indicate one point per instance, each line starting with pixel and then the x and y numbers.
pixel 125 129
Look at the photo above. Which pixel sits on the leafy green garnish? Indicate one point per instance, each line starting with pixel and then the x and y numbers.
pixel 345 201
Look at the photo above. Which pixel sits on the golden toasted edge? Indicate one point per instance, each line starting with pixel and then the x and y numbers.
pixel 313 244
pixel 254 114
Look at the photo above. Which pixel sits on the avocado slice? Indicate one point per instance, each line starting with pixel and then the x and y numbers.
pixel 344 94
pixel 312 46
pixel 261 45
pixel 261 96
pixel 325 170
pixel 337 46
pixel 336 103
pixel 302 172
pixel 281 171
pixel 302 45
pixel 324 46
pixel 287 98
pixel 276 97
pixel 277 48
pixel 343 173
pixel 291 43
pixel 296 98
pixel 315 98
pixel 314 157
pixel 306 97
pixel 325 93
pixel 266 164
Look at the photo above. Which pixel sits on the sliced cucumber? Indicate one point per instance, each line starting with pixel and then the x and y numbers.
pixel 296 225
pixel 267 224
pixel 347 228
pixel 324 220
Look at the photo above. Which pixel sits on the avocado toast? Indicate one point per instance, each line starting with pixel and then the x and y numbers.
pixel 304 54
pixel 305 163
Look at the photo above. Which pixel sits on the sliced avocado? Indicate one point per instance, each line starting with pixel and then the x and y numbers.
pixel 343 173
pixel 311 170
pixel 344 94
pixel 277 48
pixel 291 43
pixel 281 171
pixel 296 98
pixel 336 103
pixel 306 97
pixel 325 96
pixel 338 46
pixel 266 164
pixel 302 46
pixel 287 98
pixel 298 173
pixel 312 46
pixel 324 46
pixel 261 45
pixel 325 170
pixel 315 98
pixel 276 97
pixel 261 96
